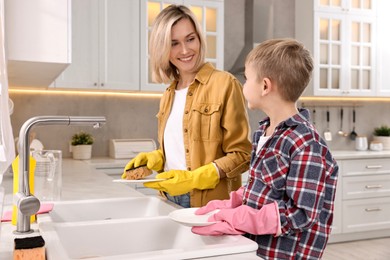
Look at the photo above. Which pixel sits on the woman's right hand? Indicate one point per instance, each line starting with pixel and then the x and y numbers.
pixel 153 160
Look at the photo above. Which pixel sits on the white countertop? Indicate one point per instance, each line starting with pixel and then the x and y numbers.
pixel 368 154
pixel 80 180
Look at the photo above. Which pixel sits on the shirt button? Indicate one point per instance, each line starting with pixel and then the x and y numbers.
pixel 206 110
pixel 185 130
pixel 189 93
pixel 186 112
pixel 250 180
pixel 189 168
pixel 187 151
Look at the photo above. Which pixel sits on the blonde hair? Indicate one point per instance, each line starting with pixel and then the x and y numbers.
pixel 160 43
pixel 285 61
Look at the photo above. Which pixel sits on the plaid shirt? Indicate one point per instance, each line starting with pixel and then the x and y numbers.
pixel 296 169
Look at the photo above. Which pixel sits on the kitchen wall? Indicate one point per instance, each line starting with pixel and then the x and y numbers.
pixel 134 117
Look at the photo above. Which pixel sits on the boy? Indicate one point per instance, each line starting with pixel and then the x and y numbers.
pixel 287 205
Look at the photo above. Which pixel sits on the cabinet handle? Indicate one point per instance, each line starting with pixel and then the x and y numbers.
pixel 95 84
pixel 378 186
pixel 373 209
pixel 374 166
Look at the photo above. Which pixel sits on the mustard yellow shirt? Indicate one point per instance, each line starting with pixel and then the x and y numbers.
pixel 215 129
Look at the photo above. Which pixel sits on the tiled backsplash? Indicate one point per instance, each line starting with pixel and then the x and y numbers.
pixel 131 117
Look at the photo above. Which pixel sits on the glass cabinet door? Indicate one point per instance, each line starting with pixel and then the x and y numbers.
pixel 361 55
pixel 330 53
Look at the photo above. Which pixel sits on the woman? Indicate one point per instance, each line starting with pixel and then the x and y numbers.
pixel 202 123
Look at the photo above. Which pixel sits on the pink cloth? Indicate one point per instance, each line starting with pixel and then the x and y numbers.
pixel 45 207
pixel 241 220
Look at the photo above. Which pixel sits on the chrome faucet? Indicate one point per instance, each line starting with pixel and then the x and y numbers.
pixel 26 203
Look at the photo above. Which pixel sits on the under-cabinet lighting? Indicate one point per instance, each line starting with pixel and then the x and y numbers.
pixel 346 99
pixel 83 92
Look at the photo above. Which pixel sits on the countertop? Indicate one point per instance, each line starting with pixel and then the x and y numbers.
pixel 80 180
pixel 351 154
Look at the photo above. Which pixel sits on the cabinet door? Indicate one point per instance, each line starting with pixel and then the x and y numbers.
pixel 384 49
pixel 105 46
pixel 209 16
pixel 119 45
pixel 344 46
pixel 328 54
pixel 83 71
pixel 149 12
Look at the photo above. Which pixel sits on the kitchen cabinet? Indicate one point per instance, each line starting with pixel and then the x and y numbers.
pixel 342 36
pixel 37 40
pixel 210 15
pixel 384 49
pixel 362 205
pixel 105 46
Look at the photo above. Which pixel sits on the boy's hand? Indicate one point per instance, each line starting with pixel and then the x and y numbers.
pixel 234 201
pixel 243 219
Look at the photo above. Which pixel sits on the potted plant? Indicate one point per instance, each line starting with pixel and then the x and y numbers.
pixel 82 145
pixel 382 135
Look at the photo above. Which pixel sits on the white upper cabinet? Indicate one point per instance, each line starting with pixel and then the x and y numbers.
pixel 384 47
pixel 38 40
pixel 210 15
pixel 105 46
pixel 341 34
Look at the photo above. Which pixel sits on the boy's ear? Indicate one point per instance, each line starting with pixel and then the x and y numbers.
pixel 267 85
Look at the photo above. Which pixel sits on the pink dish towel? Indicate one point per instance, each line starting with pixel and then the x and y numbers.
pixel 45 208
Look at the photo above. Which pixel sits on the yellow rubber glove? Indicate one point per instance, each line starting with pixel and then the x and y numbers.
pixel 153 160
pixel 180 182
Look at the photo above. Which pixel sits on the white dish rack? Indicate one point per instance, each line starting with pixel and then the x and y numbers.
pixel 129 148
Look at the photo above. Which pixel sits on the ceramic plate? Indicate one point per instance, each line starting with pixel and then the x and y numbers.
pixel 144 180
pixel 187 217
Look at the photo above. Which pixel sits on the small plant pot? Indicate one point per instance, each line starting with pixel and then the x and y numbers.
pixel 385 140
pixel 82 152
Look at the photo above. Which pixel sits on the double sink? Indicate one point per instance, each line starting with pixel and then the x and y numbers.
pixel 128 228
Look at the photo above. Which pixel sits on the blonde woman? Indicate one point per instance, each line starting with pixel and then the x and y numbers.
pixel 202 122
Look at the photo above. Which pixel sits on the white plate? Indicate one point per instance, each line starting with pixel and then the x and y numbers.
pixel 187 217
pixel 144 180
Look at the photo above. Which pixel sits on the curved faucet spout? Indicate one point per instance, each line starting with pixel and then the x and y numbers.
pixel 23 220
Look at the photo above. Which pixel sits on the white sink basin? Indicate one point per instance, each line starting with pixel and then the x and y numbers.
pixel 149 238
pixel 105 209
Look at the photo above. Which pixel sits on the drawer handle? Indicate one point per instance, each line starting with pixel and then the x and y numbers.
pixel 378 186
pixel 373 209
pixel 374 166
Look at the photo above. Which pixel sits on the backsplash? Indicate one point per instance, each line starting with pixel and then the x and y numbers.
pixel 135 117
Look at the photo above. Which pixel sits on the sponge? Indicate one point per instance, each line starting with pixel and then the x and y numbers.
pixel 29 248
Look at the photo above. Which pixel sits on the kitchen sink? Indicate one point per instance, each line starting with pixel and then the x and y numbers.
pixel 136 238
pixel 107 209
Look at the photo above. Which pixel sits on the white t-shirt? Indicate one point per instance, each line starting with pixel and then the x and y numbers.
pixel 261 142
pixel 173 134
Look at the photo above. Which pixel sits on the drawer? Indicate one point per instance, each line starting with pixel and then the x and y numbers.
pixel 366 215
pixel 366 186
pixel 366 166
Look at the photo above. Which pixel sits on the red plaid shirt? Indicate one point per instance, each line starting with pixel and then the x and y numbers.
pixel 296 169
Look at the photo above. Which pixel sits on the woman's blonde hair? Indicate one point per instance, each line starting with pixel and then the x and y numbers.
pixel 285 61
pixel 160 43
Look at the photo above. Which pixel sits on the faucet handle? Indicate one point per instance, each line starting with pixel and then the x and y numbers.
pixel 28 205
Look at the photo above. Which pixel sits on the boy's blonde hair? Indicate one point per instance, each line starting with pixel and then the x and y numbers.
pixel 160 42
pixel 286 62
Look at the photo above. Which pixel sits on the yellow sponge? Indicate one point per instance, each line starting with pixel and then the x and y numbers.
pixel 29 248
